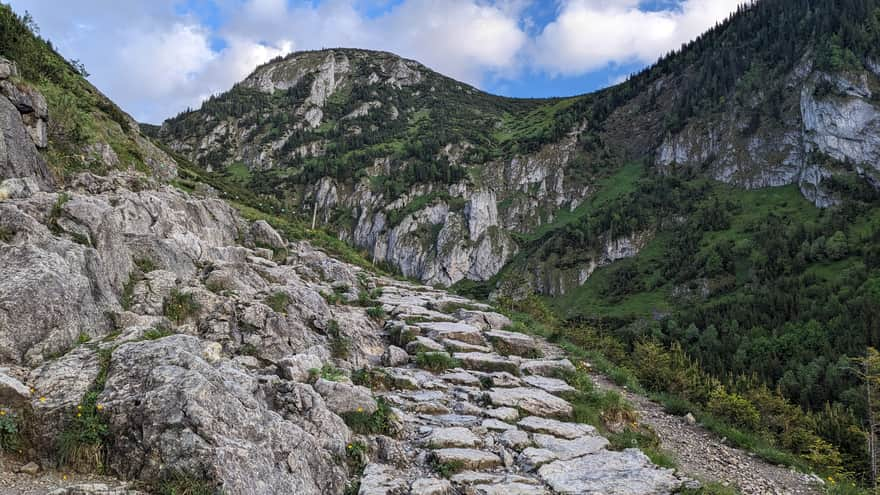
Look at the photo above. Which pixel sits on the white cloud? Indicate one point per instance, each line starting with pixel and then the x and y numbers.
pixel 590 34
pixel 155 61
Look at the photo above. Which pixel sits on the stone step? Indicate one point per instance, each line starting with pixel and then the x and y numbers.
pixel 439 330
pixel 513 343
pixel 456 436
pixel 547 367
pixel 533 401
pixel 553 385
pixel 481 361
pixel 467 458
pixel 557 428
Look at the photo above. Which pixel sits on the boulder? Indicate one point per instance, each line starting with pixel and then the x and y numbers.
pixel 569 449
pixel 515 439
pixel 345 397
pixel 620 473
pixel 168 405
pixel 395 356
pixel 13 393
pixel 261 234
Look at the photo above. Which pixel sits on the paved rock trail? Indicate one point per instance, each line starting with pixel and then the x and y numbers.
pixel 495 425
pixel 701 454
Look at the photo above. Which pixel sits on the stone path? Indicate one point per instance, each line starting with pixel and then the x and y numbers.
pixel 495 424
pixel 703 455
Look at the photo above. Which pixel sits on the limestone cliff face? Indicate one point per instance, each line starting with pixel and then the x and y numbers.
pixel 829 116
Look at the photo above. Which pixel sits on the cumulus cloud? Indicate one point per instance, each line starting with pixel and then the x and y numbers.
pixel 155 58
pixel 589 34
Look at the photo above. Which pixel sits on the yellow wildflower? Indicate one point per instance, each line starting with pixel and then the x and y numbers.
pixel 100 407
pixel 360 409
pixel 350 446
pixel 42 399
pixel 2 413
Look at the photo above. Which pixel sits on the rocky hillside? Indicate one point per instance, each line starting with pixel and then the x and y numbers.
pixel 441 180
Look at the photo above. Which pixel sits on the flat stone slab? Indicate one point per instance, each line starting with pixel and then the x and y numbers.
pixel 503 413
pixel 494 424
pixel 516 439
pixel 453 419
pixel 453 345
pixel 547 384
pixel 532 458
pixel 609 473
pixel 439 330
pixel 533 401
pixel 513 343
pixel 504 379
pixel 510 489
pixel 468 458
pixel 430 486
pixel 381 479
pixel 546 367
pixel 556 428
pixel 460 378
pixel 569 449
pixel 455 436
pixel 423 344
pixel 480 478
pixel 482 361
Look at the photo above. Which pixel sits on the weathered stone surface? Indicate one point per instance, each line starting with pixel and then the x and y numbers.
pixel 297 367
pixel 381 479
pixel 438 330
pixel 512 488
pixel 431 486
pixel 13 393
pixel 481 361
pixel 343 397
pixel 486 320
pixel 423 344
pixel 468 458
pixel 461 378
pixel 95 489
pixel 18 188
pixel 395 356
pixel 569 449
pixel 535 402
pixel 556 428
pixel 508 414
pixel 261 234
pixel 497 425
pixel 516 439
pixel 513 343
pixel 18 154
pixel 532 458
pixel 609 473
pixel 552 385
pixel 457 436
pixel 546 367
pixel 166 402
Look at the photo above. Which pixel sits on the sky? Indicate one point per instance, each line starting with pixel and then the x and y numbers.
pixel 156 58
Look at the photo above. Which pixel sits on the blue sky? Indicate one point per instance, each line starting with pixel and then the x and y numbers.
pixel 157 57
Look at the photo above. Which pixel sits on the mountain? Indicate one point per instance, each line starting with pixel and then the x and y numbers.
pixel 157 339
pixel 722 203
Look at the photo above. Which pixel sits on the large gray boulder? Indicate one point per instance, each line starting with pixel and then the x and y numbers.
pixel 174 402
pixel 18 154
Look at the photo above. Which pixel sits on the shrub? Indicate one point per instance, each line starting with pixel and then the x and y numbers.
pixel 376 313
pixel 374 379
pixel 447 469
pixel 180 306
pixel 278 301
pixel 436 361
pixel 145 265
pixel 733 408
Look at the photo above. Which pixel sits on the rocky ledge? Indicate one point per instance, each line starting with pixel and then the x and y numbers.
pixel 157 337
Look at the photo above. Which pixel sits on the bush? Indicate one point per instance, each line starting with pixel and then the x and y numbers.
pixel 327 372
pixel 156 333
pixel 436 361
pixel 180 306
pixel 733 408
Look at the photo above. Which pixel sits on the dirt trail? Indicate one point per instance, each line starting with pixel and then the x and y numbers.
pixel 701 454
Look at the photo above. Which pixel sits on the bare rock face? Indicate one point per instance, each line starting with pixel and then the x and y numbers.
pixel 176 407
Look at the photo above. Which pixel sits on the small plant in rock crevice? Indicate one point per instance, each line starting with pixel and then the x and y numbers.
pixel 376 313
pixel 436 361
pixel 447 469
pixel 327 372
pixel 379 422
pixel 340 344
pixel 180 306
pixel 10 431
pixel 180 483
pixel 278 301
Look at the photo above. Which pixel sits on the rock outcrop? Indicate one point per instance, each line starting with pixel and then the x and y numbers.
pixel 23 116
